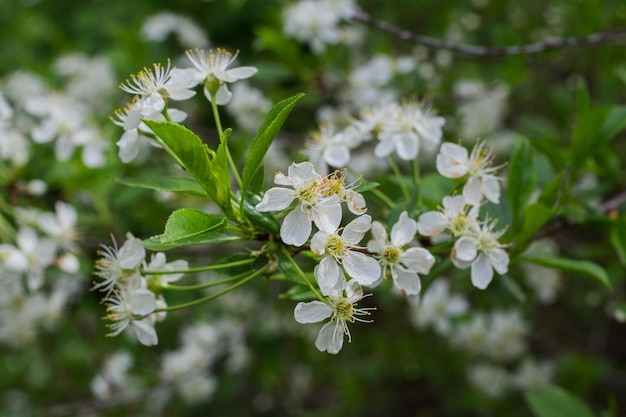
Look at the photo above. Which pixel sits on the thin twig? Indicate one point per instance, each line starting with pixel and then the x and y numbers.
pixel 609 36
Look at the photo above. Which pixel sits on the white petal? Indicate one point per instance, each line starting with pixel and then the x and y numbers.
pixel 142 302
pixel 482 273
pixel 276 199
pixel 431 223
pixel 318 242
pixel 356 229
pixel 362 268
pixel 327 215
pixel 330 338
pixel 303 171
pixel 336 156
pixel 379 234
pixel 329 277
pixel 404 230
pixel 408 282
pixel 491 188
pixel 296 228
pixel 472 191
pixel 144 330
pixel 465 249
pixel 384 148
pixel 418 260
pixel 499 260
pixel 452 160
pixel 312 312
pixel 241 73
pixel 407 147
pixel 131 254
pixel 223 95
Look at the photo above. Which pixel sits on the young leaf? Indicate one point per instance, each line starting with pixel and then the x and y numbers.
pixel 189 151
pixel 618 240
pixel 550 193
pixel 185 223
pixel 171 184
pixel 587 268
pixel 265 220
pixel 268 131
pixel 521 178
pixel 286 267
pixel 553 401
pixel 535 216
pixel 211 237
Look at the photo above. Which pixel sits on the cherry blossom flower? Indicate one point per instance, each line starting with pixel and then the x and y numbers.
pixel 454 161
pixel 130 307
pixel 116 266
pixel 155 87
pixel 482 251
pixel 404 264
pixel 343 250
pixel 413 125
pixel 455 217
pixel 329 147
pixel 340 306
pixel 437 307
pixel 211 70
pixel 313 203
pixel 135 131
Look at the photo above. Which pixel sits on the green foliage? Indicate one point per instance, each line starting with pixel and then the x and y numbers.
pixel 209 169
pixel 554 401
pixel 581 267
pixel 521 179
pixel 267 132
pixel 170 184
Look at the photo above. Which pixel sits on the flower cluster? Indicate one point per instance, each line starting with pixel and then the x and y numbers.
pixel 476 242
pixel 132 287
pixel 152 88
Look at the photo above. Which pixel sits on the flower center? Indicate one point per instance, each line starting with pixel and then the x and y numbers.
pixel 390 255
pixel 335 246
pixel 307 193
pixel 343 308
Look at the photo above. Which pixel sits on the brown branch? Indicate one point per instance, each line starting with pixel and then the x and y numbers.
pixel 609 36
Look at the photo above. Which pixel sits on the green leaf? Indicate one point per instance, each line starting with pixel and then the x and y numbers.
pixel 582 96
pixel 298 293
pixel 618 240
pixel 614 123
pixel 553 401
pixel 268 131
pixel 288 269
pixel 171 184
pixel 587 268
pixel 212 237
pixel 266 221
pixel 185 223
pixel 550 193
pixel 258 181
pixel 521 179
pixel 585 138
pixel 189 151
pixel 513 288
pixel 535 216
pixel 366 186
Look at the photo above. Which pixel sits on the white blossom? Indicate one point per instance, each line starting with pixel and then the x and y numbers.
pixel 212 71
pixel 482 251
pixel 405 265
pixel 342 249
pixel 437 307
pixel 116 267
pixel 313 203
pixel 340 306
pixel 454 161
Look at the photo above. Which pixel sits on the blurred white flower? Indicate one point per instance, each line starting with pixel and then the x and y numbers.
pixel 212 71
pixel 454 161
pixel 317 22
pixel 131 307
pixel 411 126
pixel 248 106
pixel 116 267
pixel 329 147
pixel 490 379
pixel 437 307
pixel 159 26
